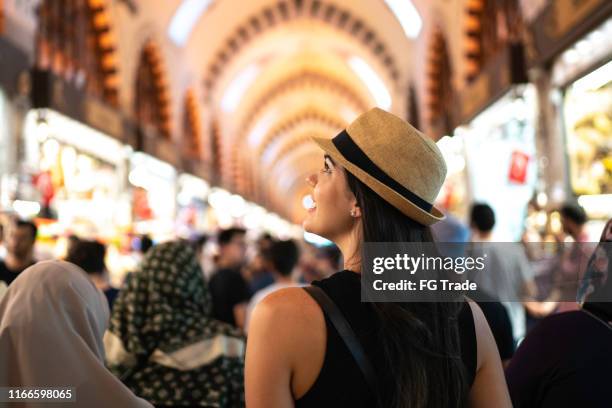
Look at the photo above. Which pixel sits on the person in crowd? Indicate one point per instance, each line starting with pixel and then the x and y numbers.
pixel 566 360
pixel 569 269
pixel 318 263
pixel 146 243
pixel 90 255
pixel 281 258
pixel 52 320
pixel 20 242
pixel 258 273
pixel 378 181
pixel 327 260
pixel 229 290
pixel 508 275
pixel 452 237
pixel 163 342
pixel 71 241
pixel 198 245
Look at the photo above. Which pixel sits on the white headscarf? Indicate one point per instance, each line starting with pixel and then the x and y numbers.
pixel 52 320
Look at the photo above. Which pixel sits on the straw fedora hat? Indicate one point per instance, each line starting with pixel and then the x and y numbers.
pixel 403 166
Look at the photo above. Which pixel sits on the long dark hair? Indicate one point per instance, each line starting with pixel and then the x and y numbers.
pixel 419 341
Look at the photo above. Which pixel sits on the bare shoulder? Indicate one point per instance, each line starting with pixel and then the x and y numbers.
pixel 291 323
pixel 489 388
pixel 483 333
pixel 289 302
pixel 289 310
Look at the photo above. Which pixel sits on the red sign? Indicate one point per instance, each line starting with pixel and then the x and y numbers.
pixel 518 167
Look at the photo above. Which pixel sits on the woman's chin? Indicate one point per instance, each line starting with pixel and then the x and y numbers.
pixel 309 223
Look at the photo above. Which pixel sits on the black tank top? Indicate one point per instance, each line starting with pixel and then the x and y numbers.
pixel 340 382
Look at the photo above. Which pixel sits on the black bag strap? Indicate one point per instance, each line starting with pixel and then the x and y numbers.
pixel 345 331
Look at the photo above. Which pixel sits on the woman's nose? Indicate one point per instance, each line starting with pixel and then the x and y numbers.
pixel 312 180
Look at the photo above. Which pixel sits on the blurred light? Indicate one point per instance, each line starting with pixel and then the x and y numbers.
pixel 71 132
pixel 26 209
pixel 372 81
pixel 237 206
pixel 599 205
pixel 316 239
pixel 42 130
pixel 308 201
pixel 407 15
pixel 261 128
pixel 51 148
pixel 238 87
pixel 555 222
pixel 218 199
pixel 541 219
pixel 595 79
pixel 583 46
pixel 185 19
pixel 192 187
pixel 542 199
pixel 153 167
pixel 347 114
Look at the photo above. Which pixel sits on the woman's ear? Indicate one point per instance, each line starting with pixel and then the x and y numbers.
pixel 356 211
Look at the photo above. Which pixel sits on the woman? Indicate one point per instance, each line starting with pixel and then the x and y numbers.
pixel 52 320
pixel 379 176
pixel 163 342
pixel 566 359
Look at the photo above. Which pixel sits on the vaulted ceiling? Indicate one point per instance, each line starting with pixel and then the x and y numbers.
pixel 255 79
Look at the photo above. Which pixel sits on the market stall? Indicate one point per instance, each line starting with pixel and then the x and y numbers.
pixel 577 45
pixel 73 176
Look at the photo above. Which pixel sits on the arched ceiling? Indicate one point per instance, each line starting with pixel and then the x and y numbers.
pixel 273 73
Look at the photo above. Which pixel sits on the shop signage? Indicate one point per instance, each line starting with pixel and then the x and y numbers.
pixel 518 167
pixel 561 23
pixel 504 69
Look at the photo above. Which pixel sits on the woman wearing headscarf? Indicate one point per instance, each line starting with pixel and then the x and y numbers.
pixel 566 360
pixel 52 320
pixel 163 342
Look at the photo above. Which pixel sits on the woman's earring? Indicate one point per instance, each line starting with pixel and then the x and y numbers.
pixel 353 212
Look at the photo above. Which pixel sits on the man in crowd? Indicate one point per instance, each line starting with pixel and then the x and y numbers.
pixel 89 255
pixel 21 236
pixel 571 263
pixel 508 276
pixel 281 258
pixel 229 290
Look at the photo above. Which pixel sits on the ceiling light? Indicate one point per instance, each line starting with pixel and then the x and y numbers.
pixel 407 15
pixel 185 19
pixel 372 81
pixel 595 80
pixel 238 87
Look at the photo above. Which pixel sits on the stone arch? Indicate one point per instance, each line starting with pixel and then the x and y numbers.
pixel 287 10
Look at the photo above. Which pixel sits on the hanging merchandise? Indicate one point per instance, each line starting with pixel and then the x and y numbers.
pixel 75 175
pixel 519 162
pixel 153 196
